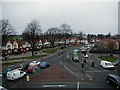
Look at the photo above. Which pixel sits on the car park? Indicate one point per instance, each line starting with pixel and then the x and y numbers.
pixel 34 63
pixel 15 74
pixel 113 80
pixel 106 65
pixel 44 65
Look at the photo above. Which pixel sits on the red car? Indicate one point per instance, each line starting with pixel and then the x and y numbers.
pixel 30 69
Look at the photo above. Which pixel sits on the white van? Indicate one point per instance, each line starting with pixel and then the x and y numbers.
pixel 15 74
pixel 106 64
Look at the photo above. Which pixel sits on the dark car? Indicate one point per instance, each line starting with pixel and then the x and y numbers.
pixel 113 80
pixel 7 70
pixel 24 66
pixel 44 65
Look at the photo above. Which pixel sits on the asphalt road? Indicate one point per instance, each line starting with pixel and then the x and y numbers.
pixel 88 77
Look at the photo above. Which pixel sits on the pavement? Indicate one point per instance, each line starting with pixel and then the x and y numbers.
pixel 53 73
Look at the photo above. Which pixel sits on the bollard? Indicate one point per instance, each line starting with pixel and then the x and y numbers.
pixel 82 65
pixel 93 64
pixel 28 78
pixel 84 61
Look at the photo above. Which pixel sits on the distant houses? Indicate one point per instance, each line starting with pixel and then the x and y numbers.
pixel 22 46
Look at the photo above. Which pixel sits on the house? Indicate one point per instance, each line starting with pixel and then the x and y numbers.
pixel 15 47
pixel 75 41
pixel 56 43
pixel 9 47
pixel 28 45
pixel 46 44
pixel 6 48
pixel 24 46
pixel 39 44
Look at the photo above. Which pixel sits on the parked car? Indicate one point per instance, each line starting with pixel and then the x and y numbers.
pixel 106 65
pixel 34 63
pixel 7 70
pixel 75 58
pixel 24 66
pixel 44 65
pixel 2 88
pixel 113 80
pixel 15 74
pixel 30 69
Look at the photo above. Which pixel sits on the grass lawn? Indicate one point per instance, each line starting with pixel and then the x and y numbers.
pixel 31 57
pixel 11 63
pixel 108 58
pixel 50 51
pixel 75 45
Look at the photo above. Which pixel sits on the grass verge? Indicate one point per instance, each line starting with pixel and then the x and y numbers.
pixel 31 57
pixel 108 58
pixel 12 63
pixel 50 51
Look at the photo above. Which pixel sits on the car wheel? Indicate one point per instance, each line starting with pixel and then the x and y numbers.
pixel 107 81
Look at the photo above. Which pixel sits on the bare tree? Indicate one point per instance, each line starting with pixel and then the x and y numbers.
pixel 66 31
pixel 33 29
pixel 80 34
pixel 6 29
pixel 52 34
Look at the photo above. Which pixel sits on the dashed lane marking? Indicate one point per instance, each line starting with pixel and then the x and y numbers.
pixel 54 85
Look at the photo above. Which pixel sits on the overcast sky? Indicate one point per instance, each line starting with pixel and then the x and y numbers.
pixel 88 17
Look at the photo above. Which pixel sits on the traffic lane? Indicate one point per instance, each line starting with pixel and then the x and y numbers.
pixel 70 85
pixel 57 58
pixel 97 77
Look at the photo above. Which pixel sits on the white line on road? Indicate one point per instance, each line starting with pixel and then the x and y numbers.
pixel 78 85
pixel 68 69
pixel 54 85
pixel 89 76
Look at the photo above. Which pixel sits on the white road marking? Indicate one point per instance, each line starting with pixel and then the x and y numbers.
pixel 89 76
pixel 69 69
pixel 78 85
pixel 54 85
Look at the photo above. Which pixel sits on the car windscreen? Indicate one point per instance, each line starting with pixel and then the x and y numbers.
pixel 109 64
pixel 30 68
pixel 42 63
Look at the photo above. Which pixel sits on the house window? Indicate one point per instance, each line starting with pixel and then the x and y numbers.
pixel 15 45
